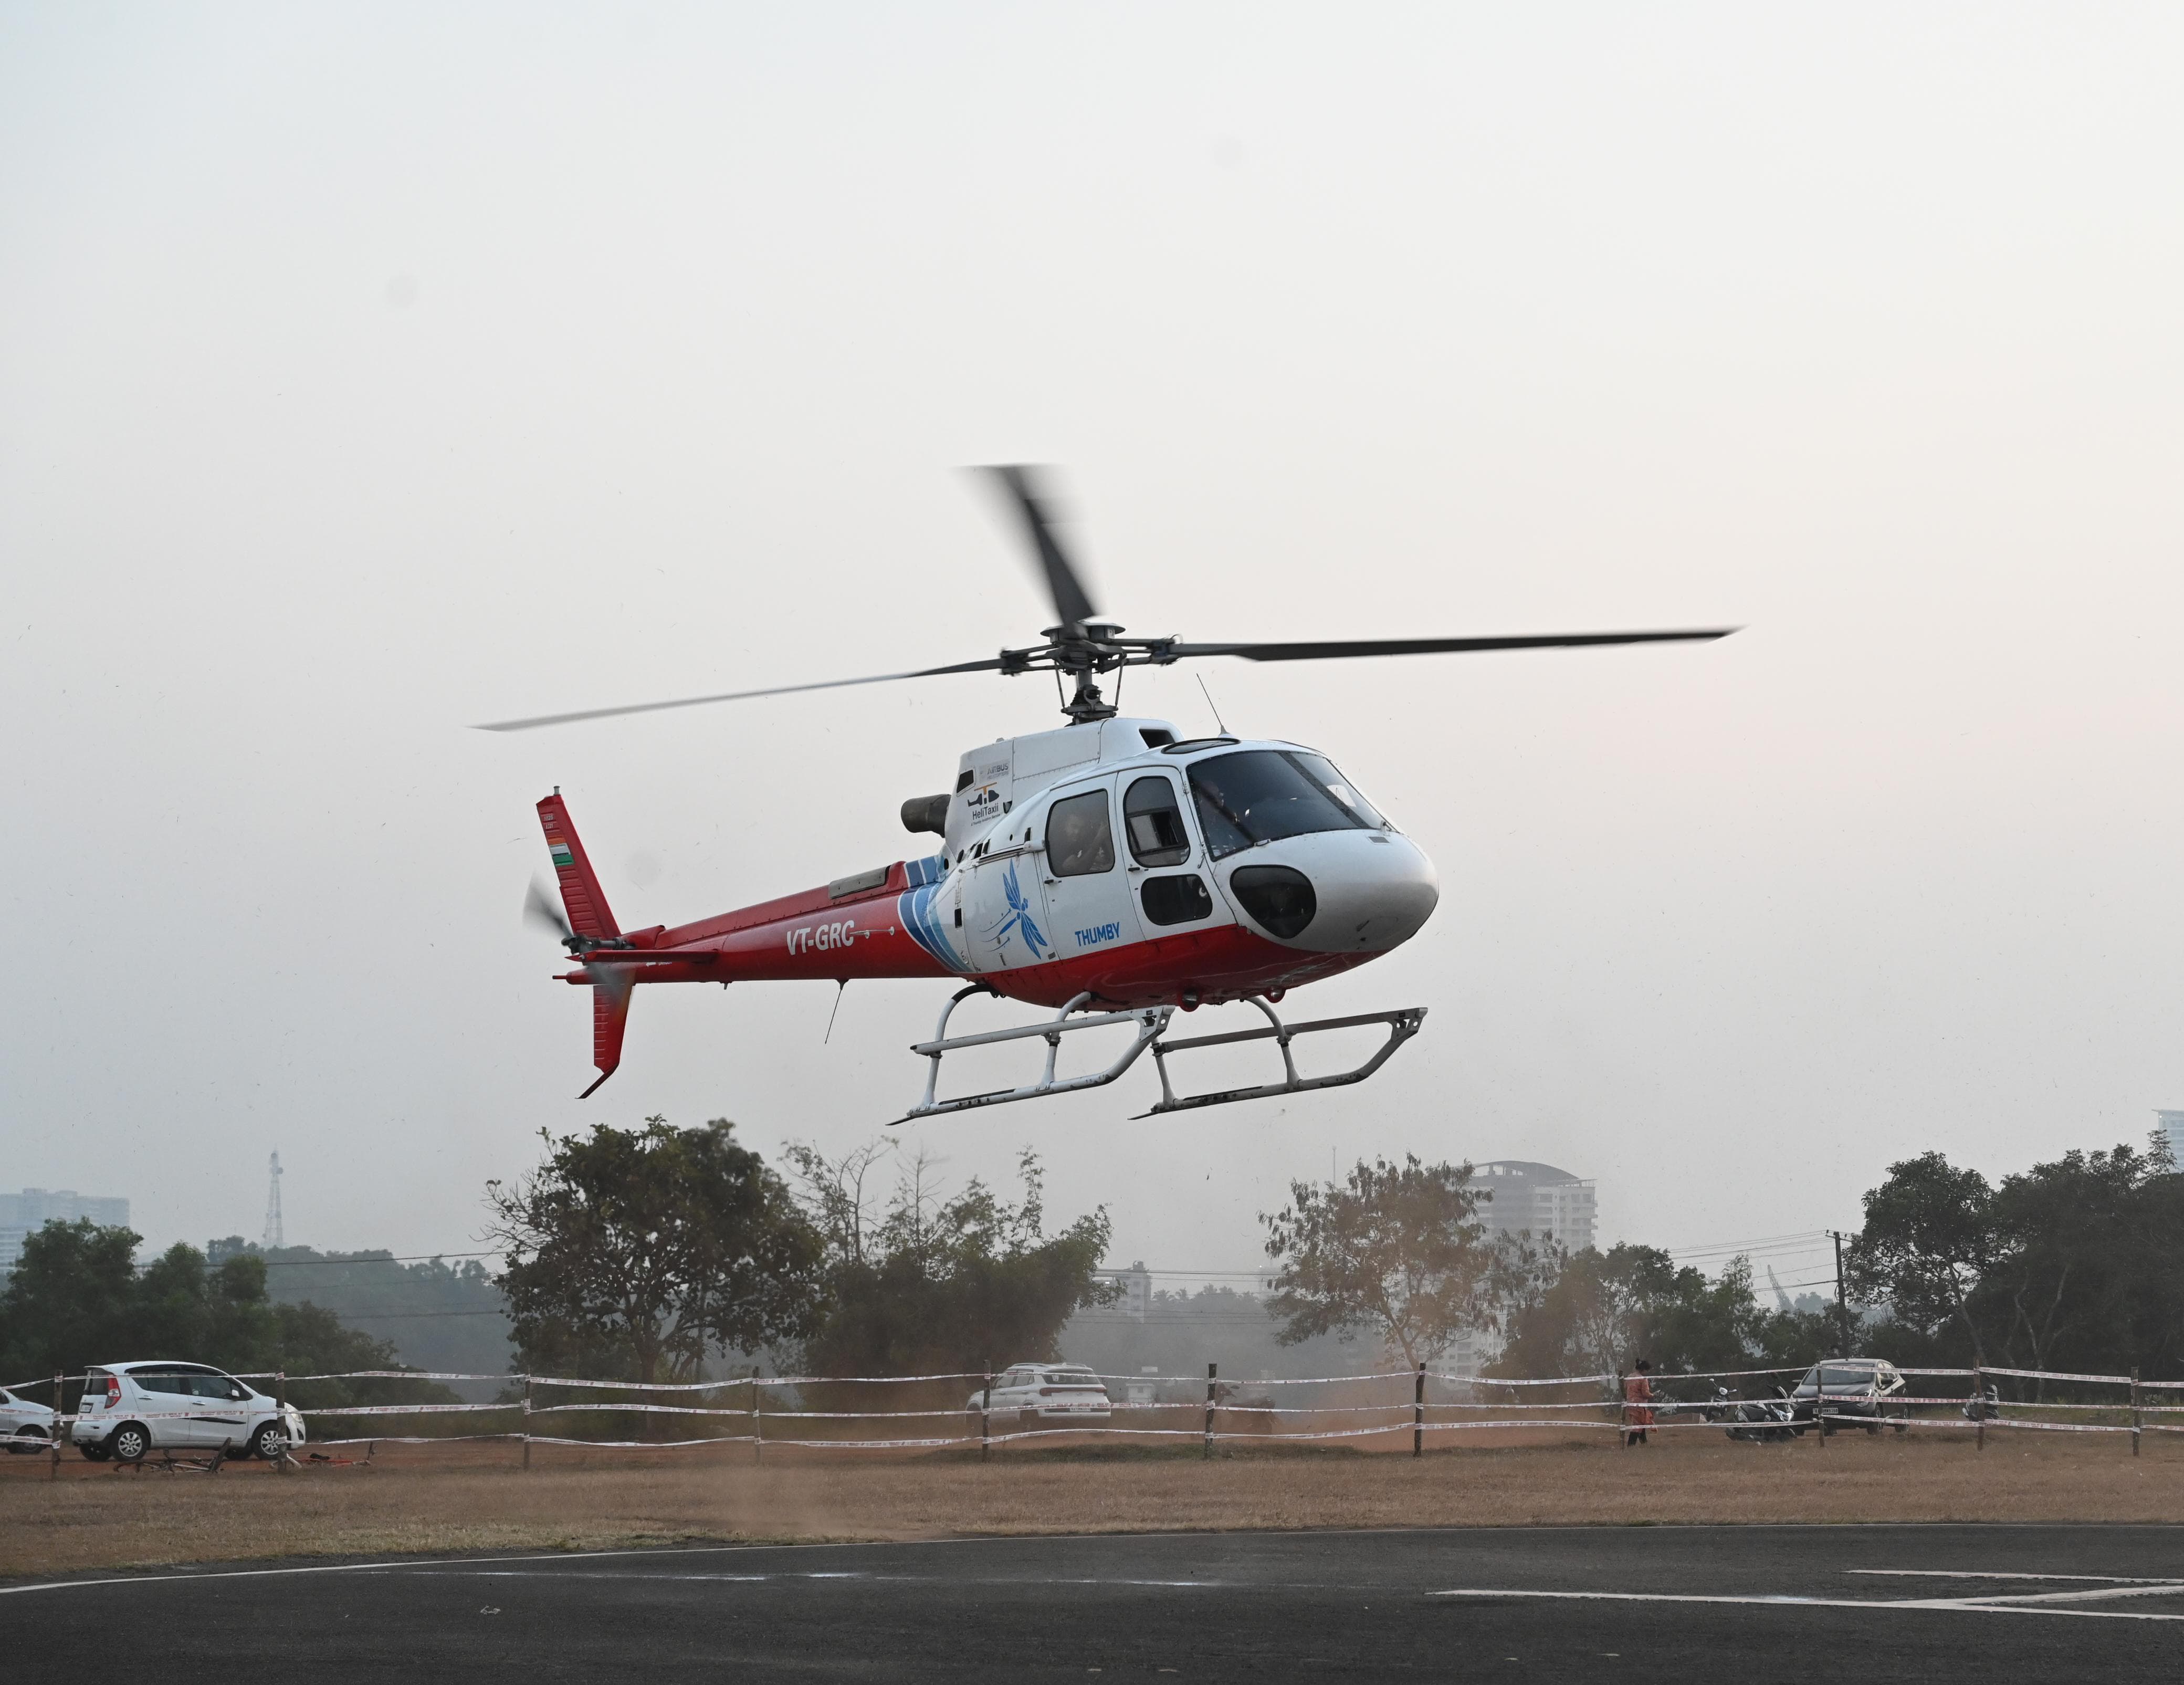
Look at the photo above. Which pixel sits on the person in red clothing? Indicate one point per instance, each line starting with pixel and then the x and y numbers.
pixel 1637 1403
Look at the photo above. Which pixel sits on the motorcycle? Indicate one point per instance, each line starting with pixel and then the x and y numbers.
pixel 1758 1422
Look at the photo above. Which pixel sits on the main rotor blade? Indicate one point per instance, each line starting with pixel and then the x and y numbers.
pixel 991 666
pixel 1337 648
pixel 1071 600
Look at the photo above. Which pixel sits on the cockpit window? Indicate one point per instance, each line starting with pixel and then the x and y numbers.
pixel 1152 819
pixel 1263 794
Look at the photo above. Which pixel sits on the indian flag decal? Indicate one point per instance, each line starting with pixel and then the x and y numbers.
pixel 558 848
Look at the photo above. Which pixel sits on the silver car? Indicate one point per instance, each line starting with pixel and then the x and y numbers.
pixel 131 1409
pixel 27 1427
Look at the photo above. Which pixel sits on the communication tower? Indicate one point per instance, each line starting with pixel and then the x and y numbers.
pixel 272 1237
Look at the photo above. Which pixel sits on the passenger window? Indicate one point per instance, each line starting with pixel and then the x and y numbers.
pixel 1152 819
pixel 1176 901
pixel 1079 840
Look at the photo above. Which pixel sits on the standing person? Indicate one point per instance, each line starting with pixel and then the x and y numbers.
pixel 1637 1403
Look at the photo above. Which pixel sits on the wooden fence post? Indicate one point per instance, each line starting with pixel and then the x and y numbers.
pixel 1622 1415
pixel 1979 1403
pixel 527 1422
pixel 1212 1371
pixel 282 1463
pixel 2134 1410
pixel 758 1421
pixel 60 1423
pixel 1419 1415
pixel 986 1420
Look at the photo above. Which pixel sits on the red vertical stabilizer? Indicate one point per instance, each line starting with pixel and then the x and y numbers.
pixel 589 914
pixel 610 1017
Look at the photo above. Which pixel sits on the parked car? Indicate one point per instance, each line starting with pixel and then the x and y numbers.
pixel 28 1428
pixel 1856 1390
pixel 1027 1395
pixel 131 1409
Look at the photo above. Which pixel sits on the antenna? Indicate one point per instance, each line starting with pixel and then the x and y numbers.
pixel 273 1236
pixel 1208 694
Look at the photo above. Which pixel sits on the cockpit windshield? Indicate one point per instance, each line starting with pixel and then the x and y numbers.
pixel 1259 795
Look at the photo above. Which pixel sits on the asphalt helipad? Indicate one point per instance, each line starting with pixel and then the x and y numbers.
pixel 1986 1604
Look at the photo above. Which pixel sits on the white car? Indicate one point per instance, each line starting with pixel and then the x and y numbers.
pixel 131 1409
pixel 1029 1394
pixel 27 1427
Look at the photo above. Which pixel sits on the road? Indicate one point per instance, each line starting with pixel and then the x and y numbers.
pixel 1986 1604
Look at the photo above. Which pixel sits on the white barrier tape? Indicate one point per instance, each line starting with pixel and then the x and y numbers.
pixel 415 1439
pixel 649 1409
pixel 371 1374
pixel 2051 1375
pixel 407 1409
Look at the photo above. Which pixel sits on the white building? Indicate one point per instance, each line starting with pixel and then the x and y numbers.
pixel 23 1215
pixel 1538 1199
pixel 2172 1127
pixel 1137 1285
pixel 1551 1204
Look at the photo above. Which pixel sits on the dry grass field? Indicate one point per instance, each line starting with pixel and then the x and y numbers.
pixel 449 1497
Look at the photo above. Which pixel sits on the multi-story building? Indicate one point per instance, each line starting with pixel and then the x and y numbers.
pixel 2172 1127
pixel 23 1215
pixel 1551 1204
pixel 1137 1285
pixel 1527 1198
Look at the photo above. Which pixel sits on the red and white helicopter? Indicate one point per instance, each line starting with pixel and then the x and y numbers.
pixel 1111 869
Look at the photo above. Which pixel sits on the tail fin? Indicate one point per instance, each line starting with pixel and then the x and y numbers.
pixel 610 1017
pixel 589 914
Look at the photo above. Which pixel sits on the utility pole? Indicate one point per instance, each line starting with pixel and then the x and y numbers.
pixel 1842 1304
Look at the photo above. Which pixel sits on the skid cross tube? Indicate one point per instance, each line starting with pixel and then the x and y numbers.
pixel 1149 1020
pixel 1403 1024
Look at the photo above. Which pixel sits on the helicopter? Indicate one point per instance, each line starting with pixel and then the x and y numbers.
pixel 1112 871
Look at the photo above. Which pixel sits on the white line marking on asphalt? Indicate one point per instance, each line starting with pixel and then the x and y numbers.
pixel 1958 1606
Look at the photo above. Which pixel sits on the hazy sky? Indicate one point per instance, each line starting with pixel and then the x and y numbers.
pixel 368 370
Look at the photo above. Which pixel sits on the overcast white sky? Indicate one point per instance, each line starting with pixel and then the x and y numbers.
pixel 367 371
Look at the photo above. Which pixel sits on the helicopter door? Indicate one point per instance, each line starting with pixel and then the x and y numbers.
pixel 1003 906
pixel 1088 895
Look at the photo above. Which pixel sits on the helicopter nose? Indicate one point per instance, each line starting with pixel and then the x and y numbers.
pixel 1336 891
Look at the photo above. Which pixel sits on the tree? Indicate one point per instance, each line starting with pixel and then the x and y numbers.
pixel 71 1300
pixel 77 1297
pixel 938 1281
pixel 1394 1248
pixel 1928 1237
pixel 631 1252
pixel 1608 1309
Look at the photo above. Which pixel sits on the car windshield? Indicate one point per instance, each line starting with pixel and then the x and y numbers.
pixel 1837 1378
pixel 1260 795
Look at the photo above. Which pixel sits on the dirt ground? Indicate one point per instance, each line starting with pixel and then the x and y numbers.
pixel 477 1497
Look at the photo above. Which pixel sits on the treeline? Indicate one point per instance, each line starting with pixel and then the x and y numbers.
pixel 436 1315
pixel 76 1296
pixel 2076 1265
pixel 660 1253
pixel 676 1254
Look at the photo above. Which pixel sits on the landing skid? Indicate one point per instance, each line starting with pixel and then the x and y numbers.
pixel 1151 1021
pixel 1403 1024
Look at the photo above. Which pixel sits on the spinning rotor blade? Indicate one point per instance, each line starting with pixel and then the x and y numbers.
pixel 1336 648
pixel 730 696
pixel 538 910
pixel 1071 601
